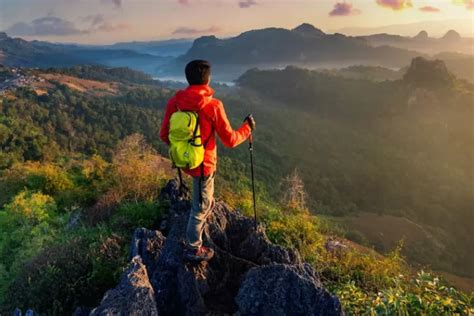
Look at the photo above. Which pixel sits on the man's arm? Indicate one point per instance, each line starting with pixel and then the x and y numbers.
pixel 228 136
pixel 165 125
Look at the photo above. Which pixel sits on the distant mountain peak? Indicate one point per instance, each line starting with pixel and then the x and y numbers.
pixel 307 28
pixel 421 36
pixel 3 35
pixel 452 35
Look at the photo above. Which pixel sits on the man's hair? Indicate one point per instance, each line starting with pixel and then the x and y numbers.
pixel 198 72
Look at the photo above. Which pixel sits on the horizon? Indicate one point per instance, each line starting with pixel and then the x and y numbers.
pixel 114 21
pixel 348 31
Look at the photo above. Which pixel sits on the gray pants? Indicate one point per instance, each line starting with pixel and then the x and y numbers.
pixel 200 212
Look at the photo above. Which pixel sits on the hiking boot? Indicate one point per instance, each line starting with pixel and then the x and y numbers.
pixel 201 254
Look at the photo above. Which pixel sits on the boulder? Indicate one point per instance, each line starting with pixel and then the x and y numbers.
pixel 280 289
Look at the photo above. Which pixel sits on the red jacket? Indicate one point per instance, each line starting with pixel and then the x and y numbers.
pixel 212 118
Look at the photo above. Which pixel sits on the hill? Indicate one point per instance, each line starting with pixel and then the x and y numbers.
pixel 16 52
pixel 422 42
pixel 303 45
pixel 378 147
pixel 173 47
pixel 76 182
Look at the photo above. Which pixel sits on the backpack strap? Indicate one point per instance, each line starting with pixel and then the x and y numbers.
pixel 193 140
pixel 201 180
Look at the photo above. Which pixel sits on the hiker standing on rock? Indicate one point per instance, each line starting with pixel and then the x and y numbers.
pixel 191 119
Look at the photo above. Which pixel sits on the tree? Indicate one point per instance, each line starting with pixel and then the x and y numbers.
pixel 294 195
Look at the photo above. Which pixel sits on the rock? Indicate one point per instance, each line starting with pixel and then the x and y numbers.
pixel 160 281
pixel 134 295
pixel 280 289
pixel 147 244
pixel 82 311
pixel 335 247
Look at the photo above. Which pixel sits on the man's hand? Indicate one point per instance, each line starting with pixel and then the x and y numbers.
pixel 250 121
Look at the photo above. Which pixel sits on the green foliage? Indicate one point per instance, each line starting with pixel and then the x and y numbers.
pixel 53 257
pixel 299 231
pixel 27 224
pixel 131 215
pixel 76 270
pixel 41 127
pixel 421 295
pixel 31 208
pixel 366 282
pixel 102 73
pixel 364 146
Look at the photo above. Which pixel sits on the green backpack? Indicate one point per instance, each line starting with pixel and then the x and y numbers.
pixel 186 148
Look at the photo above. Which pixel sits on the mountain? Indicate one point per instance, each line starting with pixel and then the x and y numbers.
pixel 422 36
pixel 17 52
pixel 436 27
pixel 173 47
pixel 303 45
pixel 422 42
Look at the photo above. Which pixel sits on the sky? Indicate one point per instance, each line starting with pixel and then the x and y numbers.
pixel 109 21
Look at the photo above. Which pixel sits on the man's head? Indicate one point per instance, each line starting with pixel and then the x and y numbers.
pixel 198 72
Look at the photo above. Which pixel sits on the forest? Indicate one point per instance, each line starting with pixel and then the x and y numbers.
pixel 80 170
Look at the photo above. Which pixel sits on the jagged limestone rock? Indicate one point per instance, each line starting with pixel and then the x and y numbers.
pixel 243 256
pixel 134 295
pixel 280 289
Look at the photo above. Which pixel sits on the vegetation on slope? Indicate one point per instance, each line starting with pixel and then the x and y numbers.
pixel 71 193
pixel 401 148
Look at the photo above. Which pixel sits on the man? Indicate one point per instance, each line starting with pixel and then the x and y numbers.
pixel 198 97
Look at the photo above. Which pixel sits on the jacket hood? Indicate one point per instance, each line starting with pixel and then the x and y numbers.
pixel 194 98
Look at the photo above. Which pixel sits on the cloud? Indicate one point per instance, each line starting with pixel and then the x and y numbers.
pixel 193 31
pixel 94 19
pixel 430 9
pixel 109 27
pixel 98 22
pixel 343 9
pixel 395 5
pixel 469 4
pixel 48 25
pixel 116 3
pixel 247 3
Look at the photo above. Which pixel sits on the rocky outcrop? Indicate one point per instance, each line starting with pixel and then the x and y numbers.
pixel 428 74
pixel 248 274
pixel 133 296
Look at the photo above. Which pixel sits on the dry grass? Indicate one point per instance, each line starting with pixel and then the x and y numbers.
pixel 81 85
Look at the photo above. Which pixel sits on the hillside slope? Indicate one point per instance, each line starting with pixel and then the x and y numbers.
pixel 400 148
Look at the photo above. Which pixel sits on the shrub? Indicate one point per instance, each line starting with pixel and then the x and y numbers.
pixel 47 177
pixel 421 295
pixel 31 208
pixel 131 215
pixel 137 173
pixel 299 231
pixel 74 271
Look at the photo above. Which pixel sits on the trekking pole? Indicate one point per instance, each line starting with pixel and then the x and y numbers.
pixel 253 180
